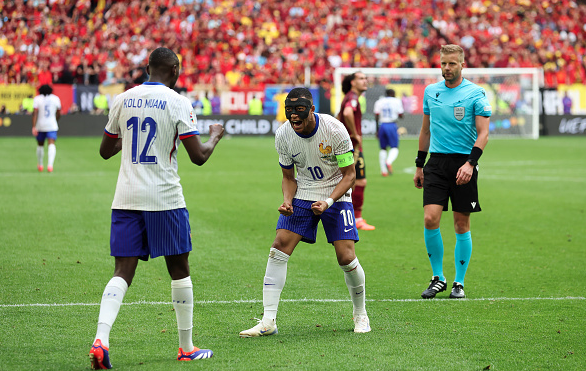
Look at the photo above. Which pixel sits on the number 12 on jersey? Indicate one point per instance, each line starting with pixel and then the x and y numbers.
pixel 133 124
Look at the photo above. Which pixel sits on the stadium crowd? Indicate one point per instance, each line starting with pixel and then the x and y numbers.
pixel 257 42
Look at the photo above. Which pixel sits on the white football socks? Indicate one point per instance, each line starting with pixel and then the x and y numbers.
pixel 52 151
pixel 40 155
pixel 182 296
pixel 382 160
pixel 393 154
pixel 355 280
pixel 109 307
pixel 274 281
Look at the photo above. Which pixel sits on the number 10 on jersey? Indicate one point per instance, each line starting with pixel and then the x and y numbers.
pixel 133 124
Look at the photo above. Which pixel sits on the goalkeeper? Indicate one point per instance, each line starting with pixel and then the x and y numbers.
pixel 455 132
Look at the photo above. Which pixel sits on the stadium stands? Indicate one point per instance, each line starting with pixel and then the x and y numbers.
pixel 253 43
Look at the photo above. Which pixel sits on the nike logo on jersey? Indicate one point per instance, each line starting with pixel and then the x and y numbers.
pixel 296 155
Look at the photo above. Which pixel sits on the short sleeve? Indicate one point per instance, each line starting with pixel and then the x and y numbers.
pixel 376 109
pixel 112 127
pixel 342 142
pixel 425 105
pixel 36 102
pixel 57 102
pixel 186 120
pixel 285 159
pixel 481 105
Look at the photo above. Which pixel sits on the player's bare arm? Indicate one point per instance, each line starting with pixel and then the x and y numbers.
pixel 347 182
pixel 348 114
pixel 289 187
pixel 110 146
pixel 424 137
pixel 35 117
pixel 200 152
pixel 465 171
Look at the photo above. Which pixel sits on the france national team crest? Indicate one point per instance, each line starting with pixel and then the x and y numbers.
pixel 326 151
pixel 459 113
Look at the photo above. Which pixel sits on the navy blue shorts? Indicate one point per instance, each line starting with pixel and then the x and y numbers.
pixel 42 135
pixel 338 221
pixel 150 233
pixel 388 136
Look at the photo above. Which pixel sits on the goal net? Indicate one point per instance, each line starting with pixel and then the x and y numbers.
pixel 512 92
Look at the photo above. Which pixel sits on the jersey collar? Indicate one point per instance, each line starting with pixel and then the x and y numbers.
pixel 314 130
pixel 152 83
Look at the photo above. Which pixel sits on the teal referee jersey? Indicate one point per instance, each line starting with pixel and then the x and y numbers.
pixel 452 113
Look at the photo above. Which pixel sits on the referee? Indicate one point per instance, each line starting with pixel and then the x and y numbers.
pixel 455 132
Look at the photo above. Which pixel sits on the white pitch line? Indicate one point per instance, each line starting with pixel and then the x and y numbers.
pixel 304 300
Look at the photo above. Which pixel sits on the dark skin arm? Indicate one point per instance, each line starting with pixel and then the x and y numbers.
pixel 200 152
pixel 110 146
pixel 289 187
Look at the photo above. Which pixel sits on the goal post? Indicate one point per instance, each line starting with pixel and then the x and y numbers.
pixel 512 92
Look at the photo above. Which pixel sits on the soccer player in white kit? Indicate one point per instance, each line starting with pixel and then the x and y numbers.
pixel 46 113
pixel 386 112
pixel 149 218
pixel 319 147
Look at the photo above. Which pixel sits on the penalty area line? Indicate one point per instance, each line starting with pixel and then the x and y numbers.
pixel 304 300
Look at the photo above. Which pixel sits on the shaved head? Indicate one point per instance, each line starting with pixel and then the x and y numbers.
pixel 163 67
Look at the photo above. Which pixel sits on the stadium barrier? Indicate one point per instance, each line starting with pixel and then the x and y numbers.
pixel 564 125
pixel 81 124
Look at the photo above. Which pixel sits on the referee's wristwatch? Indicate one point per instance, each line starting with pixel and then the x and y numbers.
pixel 472 162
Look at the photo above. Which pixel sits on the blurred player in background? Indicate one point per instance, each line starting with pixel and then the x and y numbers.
pixel 46 113
pixel 320 148
pixel 147 123
pixel 386 112
pixel 455 132
pixel 351 116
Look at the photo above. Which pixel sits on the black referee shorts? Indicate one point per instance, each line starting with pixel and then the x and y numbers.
pixel 439 184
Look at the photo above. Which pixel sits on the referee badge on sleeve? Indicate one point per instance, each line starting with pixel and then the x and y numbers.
pixel 459 113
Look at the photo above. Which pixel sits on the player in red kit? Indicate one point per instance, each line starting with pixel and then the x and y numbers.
pixel 351 116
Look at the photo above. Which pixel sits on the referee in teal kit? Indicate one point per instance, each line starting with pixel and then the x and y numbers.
pixel 455 132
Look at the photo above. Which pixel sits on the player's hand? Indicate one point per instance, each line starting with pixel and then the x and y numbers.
pixel 318 207
pixel 286 209
pixel 464 174
pixel 418 178
pixel 216 130
pixel 35 132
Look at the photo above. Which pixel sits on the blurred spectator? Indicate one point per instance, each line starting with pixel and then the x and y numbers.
pixel 206 109
pixel 255 106
pixel 216 104
pixel 255 43
pixel 27 105
pixel 100 104
pixel 197 105
pixel 567 103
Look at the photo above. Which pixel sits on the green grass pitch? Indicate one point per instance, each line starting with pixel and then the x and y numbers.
pixel 525 285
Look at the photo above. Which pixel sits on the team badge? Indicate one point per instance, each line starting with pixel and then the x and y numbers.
pixel 326 151
pixel 459 113
pixel 354 103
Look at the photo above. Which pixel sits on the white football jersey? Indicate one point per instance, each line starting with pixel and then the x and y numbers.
pixel 388 109
pixel 151 119
pixel 314 156
pixel 47 106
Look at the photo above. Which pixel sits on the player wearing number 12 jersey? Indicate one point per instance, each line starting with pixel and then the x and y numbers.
pixel 319 147
pixel 149 217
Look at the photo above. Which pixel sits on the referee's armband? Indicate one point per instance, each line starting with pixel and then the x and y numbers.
pixel 345 159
